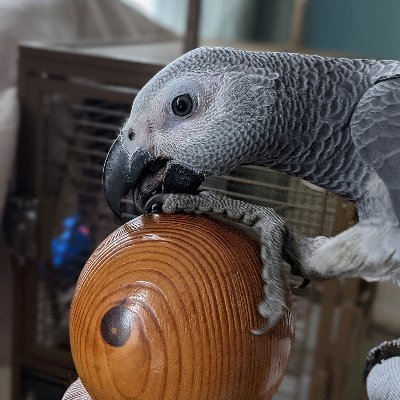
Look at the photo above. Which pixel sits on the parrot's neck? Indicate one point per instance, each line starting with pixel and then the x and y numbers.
pixel 337 169
pixel 341 172
pixel 306 132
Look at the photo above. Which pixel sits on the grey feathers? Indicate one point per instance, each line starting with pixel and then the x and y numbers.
pixel 376 133
pixel 334 122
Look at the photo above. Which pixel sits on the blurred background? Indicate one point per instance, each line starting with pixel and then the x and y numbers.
pixel 69 72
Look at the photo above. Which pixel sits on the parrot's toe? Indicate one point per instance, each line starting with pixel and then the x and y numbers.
pixel 272 316
pixel 272 308
pixel 383 352
pixel 203 202
pixel 382 371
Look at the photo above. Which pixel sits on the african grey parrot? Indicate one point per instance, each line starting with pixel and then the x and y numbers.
pixel 333 122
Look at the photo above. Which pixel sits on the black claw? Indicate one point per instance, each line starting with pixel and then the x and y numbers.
pixel 155 203
pixel 261 331
pixel 384 352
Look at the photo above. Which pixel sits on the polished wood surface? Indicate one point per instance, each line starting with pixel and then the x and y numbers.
pixel 164 309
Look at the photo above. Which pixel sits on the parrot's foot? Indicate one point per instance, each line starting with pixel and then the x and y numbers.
pixel 369 250
pixel 76 392
pixel 383 370
pixel 270 228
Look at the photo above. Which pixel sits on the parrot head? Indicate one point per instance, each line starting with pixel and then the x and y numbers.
pixel 203 114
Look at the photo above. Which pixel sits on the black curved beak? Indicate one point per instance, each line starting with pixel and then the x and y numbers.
pixel 145 175
pixel 121 171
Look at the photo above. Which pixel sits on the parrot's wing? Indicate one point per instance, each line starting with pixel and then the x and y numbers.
pixel 371 248
pixel 375 128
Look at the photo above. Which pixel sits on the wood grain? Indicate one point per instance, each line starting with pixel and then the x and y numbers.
pixel 163 311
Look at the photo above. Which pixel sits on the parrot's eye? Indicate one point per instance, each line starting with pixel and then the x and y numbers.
pixel 182 105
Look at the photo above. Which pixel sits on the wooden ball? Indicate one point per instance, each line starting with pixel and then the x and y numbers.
pixel 164 309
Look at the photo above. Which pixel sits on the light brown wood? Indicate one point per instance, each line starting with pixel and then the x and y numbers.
pixel 164 309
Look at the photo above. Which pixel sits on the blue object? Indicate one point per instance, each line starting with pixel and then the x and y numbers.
pixel 73 246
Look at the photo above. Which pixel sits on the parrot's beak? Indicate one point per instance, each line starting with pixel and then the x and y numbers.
pixel 121 172
pixel 145 175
